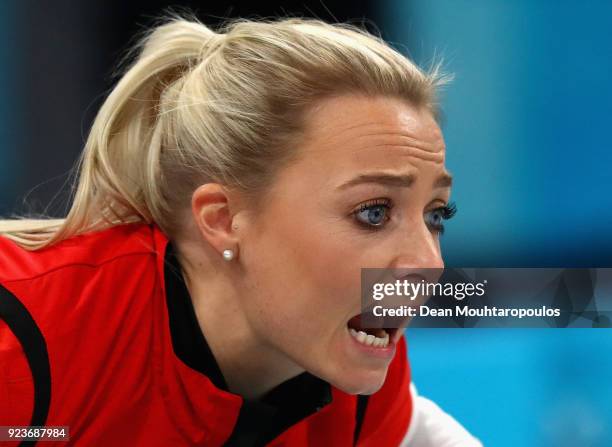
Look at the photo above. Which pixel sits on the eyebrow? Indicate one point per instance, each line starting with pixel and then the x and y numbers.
pixel 405 181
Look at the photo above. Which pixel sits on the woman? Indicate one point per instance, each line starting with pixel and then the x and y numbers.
pixel 199 291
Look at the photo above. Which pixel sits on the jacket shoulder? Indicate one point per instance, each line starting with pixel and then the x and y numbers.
pixel 90 249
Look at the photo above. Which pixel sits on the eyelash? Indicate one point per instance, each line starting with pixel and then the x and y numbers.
pixel 447 211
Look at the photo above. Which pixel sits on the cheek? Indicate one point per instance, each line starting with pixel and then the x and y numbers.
pixel 301 279
pixel 323 264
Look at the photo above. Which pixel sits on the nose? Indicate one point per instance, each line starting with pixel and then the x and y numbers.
pixel 418 253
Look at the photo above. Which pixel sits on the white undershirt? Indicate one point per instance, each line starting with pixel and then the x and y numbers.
pixel 430 426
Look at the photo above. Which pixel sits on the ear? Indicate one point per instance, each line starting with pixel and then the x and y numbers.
pixel 211 209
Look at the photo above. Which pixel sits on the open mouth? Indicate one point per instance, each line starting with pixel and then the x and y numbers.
pixel 374 337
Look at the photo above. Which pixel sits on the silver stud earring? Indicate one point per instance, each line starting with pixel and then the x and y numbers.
pixel 228 254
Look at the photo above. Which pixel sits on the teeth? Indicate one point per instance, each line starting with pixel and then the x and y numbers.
pixel 369 339
pixel 361 337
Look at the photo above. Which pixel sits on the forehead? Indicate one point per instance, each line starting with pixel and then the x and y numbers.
pixel 356 132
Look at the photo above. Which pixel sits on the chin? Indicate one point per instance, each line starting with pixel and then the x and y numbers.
pixel 361 382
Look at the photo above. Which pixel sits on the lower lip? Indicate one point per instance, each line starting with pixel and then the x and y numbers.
pixel 371 351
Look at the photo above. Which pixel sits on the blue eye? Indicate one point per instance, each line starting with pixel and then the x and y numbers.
pixel 437 216
pixel 373 214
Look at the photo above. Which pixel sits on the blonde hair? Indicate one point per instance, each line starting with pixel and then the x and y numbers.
pixel 199 106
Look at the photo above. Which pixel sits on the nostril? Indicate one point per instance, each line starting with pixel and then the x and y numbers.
pixel 406 273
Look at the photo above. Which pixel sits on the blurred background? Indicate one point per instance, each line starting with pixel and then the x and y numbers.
pixel 527 122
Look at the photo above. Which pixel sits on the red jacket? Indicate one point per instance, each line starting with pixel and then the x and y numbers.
pixel 97 333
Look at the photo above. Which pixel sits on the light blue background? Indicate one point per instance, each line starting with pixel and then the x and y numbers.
pixel 527 127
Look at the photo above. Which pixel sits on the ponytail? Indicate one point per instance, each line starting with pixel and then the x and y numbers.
pixel 119 179
pixel 198 106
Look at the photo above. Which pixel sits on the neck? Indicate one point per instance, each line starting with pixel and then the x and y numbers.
pixel 250 366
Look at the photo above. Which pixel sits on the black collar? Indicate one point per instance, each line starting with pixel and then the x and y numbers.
pixel 259 421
